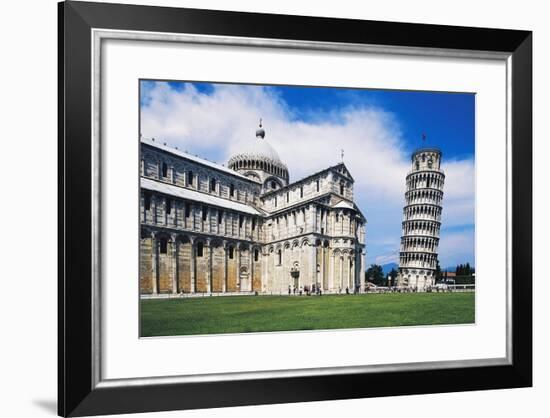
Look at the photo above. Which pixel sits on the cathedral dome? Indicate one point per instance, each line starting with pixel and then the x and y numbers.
pixel 259 155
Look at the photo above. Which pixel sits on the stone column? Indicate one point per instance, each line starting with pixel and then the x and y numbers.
pixel 193 265
pixel 154 254
pixel 322 265
pixel 331 270
pixel 341 284
pixel 209 270
pixel 265 267
pixel 166 211
pixel 238 255
pixel 352 272
pixel 224 284
pixel 154 209
pixel 313 263
pixel 250 267
pixel 174 264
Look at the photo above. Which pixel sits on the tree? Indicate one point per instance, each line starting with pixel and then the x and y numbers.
pixel 437 272
pixel 375 274
pixel 392 276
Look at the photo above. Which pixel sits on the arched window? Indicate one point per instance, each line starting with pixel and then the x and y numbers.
pixel 317 184
pixel 187 209
pixel 163 245
pixel 301 191
pixel 231 253
pixel 147 201
pixel 273 184
pixel 164 170
pixel 341 188
pixel 287 197
pixel 200 249
pixel 279 257
pixel 256 254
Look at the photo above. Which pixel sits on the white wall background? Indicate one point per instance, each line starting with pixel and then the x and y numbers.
pixel 28 157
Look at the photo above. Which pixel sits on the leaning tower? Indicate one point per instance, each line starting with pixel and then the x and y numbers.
pixel 421 220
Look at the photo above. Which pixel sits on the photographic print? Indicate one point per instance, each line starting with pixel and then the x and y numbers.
pixel 287 208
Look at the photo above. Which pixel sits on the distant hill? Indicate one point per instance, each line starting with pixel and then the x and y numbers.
pixel 386 268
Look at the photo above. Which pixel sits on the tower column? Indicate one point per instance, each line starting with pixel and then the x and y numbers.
pixel 154 251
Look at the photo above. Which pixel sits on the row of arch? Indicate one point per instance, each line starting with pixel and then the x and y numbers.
pixel 297 263
pixel 418 260
pixel 184 214
pixel 421 227
pixel 429 195
pixel 180 174
pixel 422 244
pixel 428 180
pixel 421 211
pixel 259 164
pixel 182 263
pixel 414 271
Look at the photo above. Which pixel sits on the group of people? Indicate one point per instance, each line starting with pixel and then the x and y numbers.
pixel 411 289
pixel 314 289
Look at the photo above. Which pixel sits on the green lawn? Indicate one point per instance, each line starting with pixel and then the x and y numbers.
pixel 234 314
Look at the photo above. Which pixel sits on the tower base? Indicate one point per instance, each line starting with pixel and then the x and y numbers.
pixel 419 280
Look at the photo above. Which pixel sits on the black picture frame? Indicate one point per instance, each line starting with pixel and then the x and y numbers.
pixel 77 395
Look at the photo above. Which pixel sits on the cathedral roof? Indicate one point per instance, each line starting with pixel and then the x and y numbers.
pixel 343 204
pixel 194 158
pixel 339 168
pixel 258 149
pixel 188 194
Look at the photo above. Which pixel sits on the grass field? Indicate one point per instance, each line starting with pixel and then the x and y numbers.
pixel 236 314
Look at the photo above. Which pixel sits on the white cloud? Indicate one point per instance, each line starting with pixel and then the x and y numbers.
pixel 218 124
pixel 459 196
pixel 457 248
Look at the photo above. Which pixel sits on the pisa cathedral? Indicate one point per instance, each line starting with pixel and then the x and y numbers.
pixel 243 228
pixel 421 220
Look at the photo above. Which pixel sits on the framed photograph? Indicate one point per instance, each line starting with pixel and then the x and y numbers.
pixel 262 209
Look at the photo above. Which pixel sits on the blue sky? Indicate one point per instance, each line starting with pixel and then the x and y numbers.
pixel 378 129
